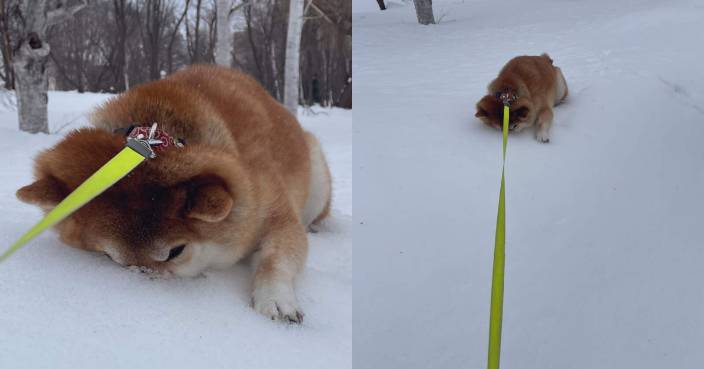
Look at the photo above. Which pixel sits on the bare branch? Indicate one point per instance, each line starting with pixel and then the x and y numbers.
pixel 63 14
pixel 321 12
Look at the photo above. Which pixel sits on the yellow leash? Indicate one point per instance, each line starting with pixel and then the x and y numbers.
pixel 497 279
pixel 136 151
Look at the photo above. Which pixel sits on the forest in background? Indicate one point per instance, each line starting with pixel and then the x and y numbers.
pixel 110 45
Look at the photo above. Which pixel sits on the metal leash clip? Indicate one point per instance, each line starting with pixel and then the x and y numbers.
pixel 507 98
pixel 142 145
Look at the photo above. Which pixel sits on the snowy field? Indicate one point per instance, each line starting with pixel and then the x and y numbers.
pixel 65 308
pixel 605 235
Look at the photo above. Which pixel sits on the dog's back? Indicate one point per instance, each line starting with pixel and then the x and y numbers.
pixel 530 75
pixel 219 107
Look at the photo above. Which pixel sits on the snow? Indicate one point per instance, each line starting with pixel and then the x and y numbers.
pixel 65 308
pixel 604 234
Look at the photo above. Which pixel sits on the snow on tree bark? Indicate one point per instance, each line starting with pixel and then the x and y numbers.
pixel 293 45
pixel 30 62
pixel 223 48
pixel 424 11
pixel 32 83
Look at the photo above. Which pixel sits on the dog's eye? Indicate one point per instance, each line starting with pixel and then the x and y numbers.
pixel 175 252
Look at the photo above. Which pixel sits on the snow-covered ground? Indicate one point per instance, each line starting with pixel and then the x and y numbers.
pixel 605 243
pixel 64 308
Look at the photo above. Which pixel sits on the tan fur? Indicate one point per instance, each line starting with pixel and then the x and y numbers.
pixel 240 186
pixel 318 205
pixel 538 85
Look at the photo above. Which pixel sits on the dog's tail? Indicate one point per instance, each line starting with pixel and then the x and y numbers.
pixel 545 55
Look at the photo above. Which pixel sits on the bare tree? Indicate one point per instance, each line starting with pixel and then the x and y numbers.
pixel 195 52
pixel 424 11
pixel 173 35
pixel 155 17
pixel 30 61
pixel 223 46
pixel 120 69
pixel 6 74
pixel 265 31
pixel 293 47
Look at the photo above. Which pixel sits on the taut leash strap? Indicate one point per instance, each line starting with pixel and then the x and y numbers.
pixel 497 278
pixel 139 148
pixel 121 164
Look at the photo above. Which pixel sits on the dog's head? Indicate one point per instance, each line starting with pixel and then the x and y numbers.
pixel 490 110
pixel 172 214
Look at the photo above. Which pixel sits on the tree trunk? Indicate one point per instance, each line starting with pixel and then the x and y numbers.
pixel 223 48
pixel 126 70
pixel 174 33
pixel 5 48
pixel 152 37
pixel 424 11
pixel 32 84
pixel 30 61
pixel 29 64
pixel 120 70
pixel 196 48
pixel 293 46
pixel 381 4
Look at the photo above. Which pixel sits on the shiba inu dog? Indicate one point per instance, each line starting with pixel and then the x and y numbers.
pixel 248 181
pixel 534 85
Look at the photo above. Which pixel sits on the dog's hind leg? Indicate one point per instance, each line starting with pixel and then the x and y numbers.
pixel 542 129
pixel 317 205
pixel 561 90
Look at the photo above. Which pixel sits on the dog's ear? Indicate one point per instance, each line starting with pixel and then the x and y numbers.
pixel 484 106
pixel 208 201
pixel 546 56
pixel 522 108
pixel 521 112
pixel 45 192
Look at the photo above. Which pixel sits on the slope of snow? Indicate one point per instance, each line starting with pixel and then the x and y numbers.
pixel 604 224
pixel 64 308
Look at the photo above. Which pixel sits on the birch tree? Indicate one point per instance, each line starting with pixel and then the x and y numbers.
pixel 30 61
pixel 293 46
pixel 7 74
pixel 223 48
pixel 424 11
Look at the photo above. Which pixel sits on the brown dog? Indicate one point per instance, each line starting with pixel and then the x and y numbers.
pixel 248 181
pixel 534 85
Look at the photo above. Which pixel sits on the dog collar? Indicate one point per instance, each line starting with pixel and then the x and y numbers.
pixel 149 140
pixel 506 97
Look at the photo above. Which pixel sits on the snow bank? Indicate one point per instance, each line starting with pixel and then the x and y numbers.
pixel 64 308
pixel 604 235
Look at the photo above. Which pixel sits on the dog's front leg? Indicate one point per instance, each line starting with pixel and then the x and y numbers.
pixel 278 261
pixel 542 131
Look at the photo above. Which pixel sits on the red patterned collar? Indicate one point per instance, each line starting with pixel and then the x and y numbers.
pixel 160 140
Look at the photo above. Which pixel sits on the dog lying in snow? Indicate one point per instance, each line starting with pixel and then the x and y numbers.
pixel 248 181
pixel 535 85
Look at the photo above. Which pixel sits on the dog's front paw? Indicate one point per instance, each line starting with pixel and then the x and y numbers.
pixel 278 302
pixel 542 136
